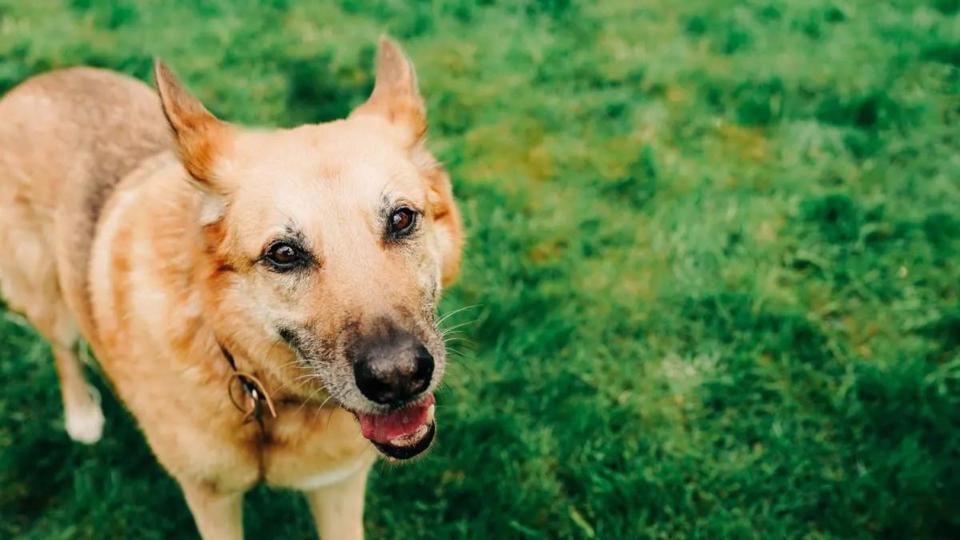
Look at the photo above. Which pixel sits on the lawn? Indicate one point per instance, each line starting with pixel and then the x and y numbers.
pixel 712 282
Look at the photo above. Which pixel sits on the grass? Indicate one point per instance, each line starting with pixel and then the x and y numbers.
pixel 712 269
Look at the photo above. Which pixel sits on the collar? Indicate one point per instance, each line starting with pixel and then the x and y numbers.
pixel 254 397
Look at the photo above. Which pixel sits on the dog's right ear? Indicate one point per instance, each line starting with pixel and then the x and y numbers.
pixel 200 136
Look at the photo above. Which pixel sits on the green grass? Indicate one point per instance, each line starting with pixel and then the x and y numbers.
pixel 713 263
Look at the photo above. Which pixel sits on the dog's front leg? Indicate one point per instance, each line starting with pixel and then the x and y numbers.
pixel 338 508
pixel 218 516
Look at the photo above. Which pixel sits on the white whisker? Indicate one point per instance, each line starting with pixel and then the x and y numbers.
pixel 454 312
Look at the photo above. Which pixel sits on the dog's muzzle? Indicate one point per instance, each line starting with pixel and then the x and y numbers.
pixel 404 433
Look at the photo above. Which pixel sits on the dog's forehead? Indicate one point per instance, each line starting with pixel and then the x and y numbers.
pixel 318 178
pixel 337 155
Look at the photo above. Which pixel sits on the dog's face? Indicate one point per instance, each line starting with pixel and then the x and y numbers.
pixel 327 248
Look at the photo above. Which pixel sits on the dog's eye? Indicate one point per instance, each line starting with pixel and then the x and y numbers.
pixel 402 221
pixel 282 256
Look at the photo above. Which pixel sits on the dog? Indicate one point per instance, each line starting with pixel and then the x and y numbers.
pixel 262 300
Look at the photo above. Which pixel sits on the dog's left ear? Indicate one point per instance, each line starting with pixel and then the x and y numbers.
pixel 200 136
pixel 395 95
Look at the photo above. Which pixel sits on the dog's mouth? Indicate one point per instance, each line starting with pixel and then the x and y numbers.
pixel 404 433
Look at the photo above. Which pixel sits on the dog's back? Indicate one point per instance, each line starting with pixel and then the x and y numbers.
pixel 66 138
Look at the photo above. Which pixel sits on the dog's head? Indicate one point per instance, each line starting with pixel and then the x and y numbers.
pixel 326 247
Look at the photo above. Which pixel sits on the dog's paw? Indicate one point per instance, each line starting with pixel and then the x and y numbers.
pixel 85 423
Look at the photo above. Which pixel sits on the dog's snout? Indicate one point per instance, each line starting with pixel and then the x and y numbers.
pixel 392 369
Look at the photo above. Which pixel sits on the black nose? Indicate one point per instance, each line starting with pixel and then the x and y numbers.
pixel 392 368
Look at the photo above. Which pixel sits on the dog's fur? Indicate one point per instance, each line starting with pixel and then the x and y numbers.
pixel 138 224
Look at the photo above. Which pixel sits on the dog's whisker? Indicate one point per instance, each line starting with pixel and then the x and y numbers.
pixel 461 323
pixel 311 396
pixel 307 376
pixel 463 343
pixel 458 325
pixel 452 333
pixel 295 362
pixel 454 312
pixel 329 414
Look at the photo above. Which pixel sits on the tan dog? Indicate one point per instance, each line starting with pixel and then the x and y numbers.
pixel 262 301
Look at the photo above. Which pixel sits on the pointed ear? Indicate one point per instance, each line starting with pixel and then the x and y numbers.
pixel 200 136
pixel 395 95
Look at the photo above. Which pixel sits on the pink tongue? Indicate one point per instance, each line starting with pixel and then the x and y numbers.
pixel 385 427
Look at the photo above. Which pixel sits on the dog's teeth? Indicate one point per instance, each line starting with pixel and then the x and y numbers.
pixel 411 439
pixel 430 412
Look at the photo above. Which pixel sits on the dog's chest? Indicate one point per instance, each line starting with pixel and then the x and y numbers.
pixel 309 481
pixel 309 449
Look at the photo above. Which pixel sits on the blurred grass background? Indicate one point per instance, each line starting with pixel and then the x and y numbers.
pixel 712 274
